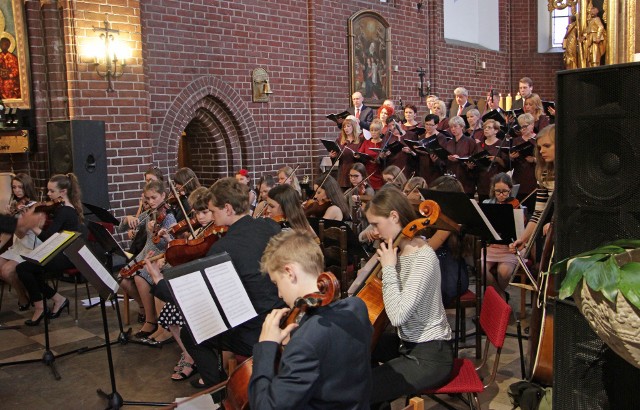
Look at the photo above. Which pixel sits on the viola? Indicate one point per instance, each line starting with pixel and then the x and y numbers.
pixel 237 385
pixel 315 209
pixel 183 226
pixel 181 251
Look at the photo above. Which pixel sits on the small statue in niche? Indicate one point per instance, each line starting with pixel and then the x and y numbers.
pixel 593 40
pixel 570 45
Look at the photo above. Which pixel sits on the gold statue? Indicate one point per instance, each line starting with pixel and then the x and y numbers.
pixel 570 45
pixel 593 39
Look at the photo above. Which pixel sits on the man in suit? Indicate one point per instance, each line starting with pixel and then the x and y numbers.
pixel 363 113
pixel 461 104
pixel 525 87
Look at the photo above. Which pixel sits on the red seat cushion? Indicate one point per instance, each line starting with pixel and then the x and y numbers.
pixel 464 379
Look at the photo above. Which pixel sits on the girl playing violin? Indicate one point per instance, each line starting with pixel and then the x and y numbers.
pixel 266 183
pixel 139 285
pixel 286 175
pixel 23 242
pixel 284 207
pixel 420 355
pixel 357 174
pixel 328 200
pixel 330 345
pixel 186 182
pixel 499 256
pixel 68 216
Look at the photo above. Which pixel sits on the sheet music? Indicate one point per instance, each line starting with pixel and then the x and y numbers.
pixel 49 246
pixel 366 133
pixel 197 305
pixel 486 221
pixel 518 217
pixel 98 268
pixel 231 293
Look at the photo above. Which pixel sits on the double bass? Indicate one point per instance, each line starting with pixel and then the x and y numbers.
pixel 237 385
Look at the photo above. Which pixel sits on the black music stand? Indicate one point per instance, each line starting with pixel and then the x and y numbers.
pixel 111 247
pixel 101 279
pixel 101 213
pixel 467 213
pixel 48 358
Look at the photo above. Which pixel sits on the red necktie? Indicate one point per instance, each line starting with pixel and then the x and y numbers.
pixel 460 110
pixel 358 113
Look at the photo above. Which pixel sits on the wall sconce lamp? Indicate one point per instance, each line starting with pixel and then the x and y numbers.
pixel 109 59
pixel 421 74
pixel 419 5
pixel 260 85
pixel 480 65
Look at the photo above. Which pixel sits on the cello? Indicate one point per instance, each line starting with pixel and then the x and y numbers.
pixel 237 385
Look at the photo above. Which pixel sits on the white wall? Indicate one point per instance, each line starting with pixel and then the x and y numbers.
pixel 474 22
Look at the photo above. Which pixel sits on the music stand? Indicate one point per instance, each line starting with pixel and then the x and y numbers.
pixel 467 213
pixel 48 358
pixel 101 279
pixel 112 247
pixel 101 213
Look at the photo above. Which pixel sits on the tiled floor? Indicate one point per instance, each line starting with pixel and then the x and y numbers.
pixel 142 373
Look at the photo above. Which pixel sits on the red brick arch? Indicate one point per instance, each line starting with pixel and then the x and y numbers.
pixel 214 116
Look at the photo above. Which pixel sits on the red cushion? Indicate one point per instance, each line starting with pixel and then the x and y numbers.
pixel 468 296
pixel 464 379
pixel 71 272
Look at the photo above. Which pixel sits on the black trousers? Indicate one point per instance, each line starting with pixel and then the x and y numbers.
pixel 239 340
pixel 32 276
pixel 409 367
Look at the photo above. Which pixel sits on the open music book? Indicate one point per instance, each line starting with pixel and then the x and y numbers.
pixel 338 116
pixel 43 253
pixel 210 295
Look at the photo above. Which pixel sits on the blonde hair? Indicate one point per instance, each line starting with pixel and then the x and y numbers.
pixel 292 247
pixel 545 170
pixel 355 131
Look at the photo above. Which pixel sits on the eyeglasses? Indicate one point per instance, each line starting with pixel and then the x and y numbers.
pixel 501 191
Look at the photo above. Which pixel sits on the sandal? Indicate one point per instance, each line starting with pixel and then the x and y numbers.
pixel 180 364
pixel 188 370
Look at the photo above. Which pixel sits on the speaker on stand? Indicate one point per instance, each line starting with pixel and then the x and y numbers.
pixel 598 201
pixel 79 146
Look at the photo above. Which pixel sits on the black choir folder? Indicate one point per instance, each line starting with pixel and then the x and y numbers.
pixel 338 116
pixel 210 295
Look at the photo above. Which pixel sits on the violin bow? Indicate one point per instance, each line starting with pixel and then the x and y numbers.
pixel 172 187
pixel 350 190
pixel 393 181
pixel 293 171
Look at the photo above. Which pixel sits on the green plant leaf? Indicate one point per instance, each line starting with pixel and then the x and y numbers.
pixel 574 274
pixel 627 243
pixel 603 277
pixel 604 250
pixel 629 283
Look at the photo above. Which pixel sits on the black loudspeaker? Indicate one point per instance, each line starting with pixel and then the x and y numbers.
pixel 597 157
pixel 597 201
pixel 587 374
pixel 78 146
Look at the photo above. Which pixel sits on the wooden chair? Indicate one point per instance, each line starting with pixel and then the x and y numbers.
pixel 333 242
pixel 494 319
pixel 415 403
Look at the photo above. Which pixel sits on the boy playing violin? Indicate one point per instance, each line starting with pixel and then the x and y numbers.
pixel 327 350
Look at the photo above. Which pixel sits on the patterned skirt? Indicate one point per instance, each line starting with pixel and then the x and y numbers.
pixel 170 315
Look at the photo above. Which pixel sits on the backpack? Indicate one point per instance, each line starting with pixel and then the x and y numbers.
pixel 529 396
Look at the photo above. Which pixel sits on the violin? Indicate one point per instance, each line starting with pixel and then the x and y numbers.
pixel 315 209
pixel 281 219
pixel 181 251
pixel 513 202
pixel 161 214
pixel 19 206
pixel 237 385
pixel 49 206
pixel 183 226
pixel 128 271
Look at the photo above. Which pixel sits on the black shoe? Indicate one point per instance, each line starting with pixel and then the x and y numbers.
pixel 65 304
pixel 24 307
pixel 36 322
pixel 144 334
pixel 196 383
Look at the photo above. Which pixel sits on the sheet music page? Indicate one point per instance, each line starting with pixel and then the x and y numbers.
pixel 98 268
pixel 198 306
pixel 518 217
pixel 46 248
pixel 231 293
pixel 486 221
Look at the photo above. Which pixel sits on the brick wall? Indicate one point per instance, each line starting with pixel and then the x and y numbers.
pixel 191 67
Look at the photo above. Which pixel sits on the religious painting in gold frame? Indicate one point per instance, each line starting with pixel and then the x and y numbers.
pixel 15 79
pixel 370 57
